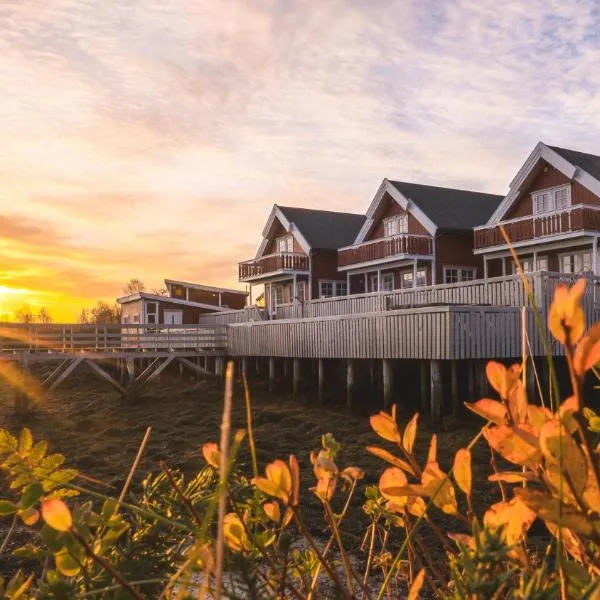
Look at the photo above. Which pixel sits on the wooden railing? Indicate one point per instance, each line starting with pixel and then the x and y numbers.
pixel 272 263
pixel 576 218
pixel 404 244
pixel 69 338
pixel 496 291
pixel 245 315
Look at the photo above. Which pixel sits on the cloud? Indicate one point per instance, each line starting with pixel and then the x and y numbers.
pixel 144 138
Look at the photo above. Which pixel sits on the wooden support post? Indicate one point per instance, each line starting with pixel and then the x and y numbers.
pixel 349 383
pixel 245 366
pixel 296 377
pixel 286 368
pixel 425 395
pixel 257 369
pixel 206 365
pixel 436 390
pixel 180 371
pixel 219 366
pixel 21 403
pixel 160 369
pixel 130 365
pixel 455 389
pixel 272 373
pixel 122 372
pixel 74 364
pixel 471 367
pixel 483 382
pixel 388 383
pixel 102 374
pixel 194 367
pixel 321 380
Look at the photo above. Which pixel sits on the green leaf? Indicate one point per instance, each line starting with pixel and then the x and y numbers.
pixel 8 442
pixel 108 508
pixel 39 451
pixel 25 441
pixel 66 564
pixel 55 540
pixel 7 508
pixel 31 495
pixel 18 585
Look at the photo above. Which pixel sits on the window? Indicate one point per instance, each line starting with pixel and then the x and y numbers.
pixel 395 225
pixel 152 312
pixel 458 274
pixel 151 319
pixel 278 294
pixel 556 198
pixel 285 244
pixel 328 289
pixel 407 278
pixel 542 263
pixel 387 282
pixel 136 317
pixel 125 319
pixel 300 291
pixel 576 262
pixel 374 283
pixel 526 264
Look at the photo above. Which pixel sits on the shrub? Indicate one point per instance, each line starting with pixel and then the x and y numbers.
pixel 230 535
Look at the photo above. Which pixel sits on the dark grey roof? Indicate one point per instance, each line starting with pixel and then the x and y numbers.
pixel 325 229
pixel 449 208
pixel 588 162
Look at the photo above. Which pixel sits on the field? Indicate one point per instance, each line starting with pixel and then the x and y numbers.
pixel 100 433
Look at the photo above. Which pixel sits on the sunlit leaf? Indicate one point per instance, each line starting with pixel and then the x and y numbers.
pixel 512 477
pixel 67 564
pixel 278 482
pixel 492 410
pixel 537 416
pixel 29 516
pixel 515 517
pixel 512 446
pixel 391 479
pixel 566 411
pixel 272 511
pixel 462 470
pixel 234 532
pixel 566 312
pixel 212 454
pixel 25 441
pixel 410 434
pixel 440 488
pixel 56 514
pixel 587 353
pixel 416 586
pixel 7 508
pixel 497 376
pixel 517 402
pixel 389 457
pixel 353 474
pixel 432 454
pixel 386 427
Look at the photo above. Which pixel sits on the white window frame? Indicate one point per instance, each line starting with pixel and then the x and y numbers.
pixel 125 319
pixel 341 288
pixel 387 282
pixel 550 204
pixel 396 225
pixel 286 242
pixel 460 273
pixel 373 283
pixel 151 314
pixel 572 266
pixel 300 291
pixel 338 288
pixel 136 317
pixel 278 290
pixel 545 259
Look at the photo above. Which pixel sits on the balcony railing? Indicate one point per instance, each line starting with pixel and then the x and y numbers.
pixel 273 263
pixel 381 249
pixel 576 218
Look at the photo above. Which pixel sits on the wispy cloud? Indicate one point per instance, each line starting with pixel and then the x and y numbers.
pixel 144 138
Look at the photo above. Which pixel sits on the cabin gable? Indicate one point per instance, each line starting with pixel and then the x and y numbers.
pixel 276 232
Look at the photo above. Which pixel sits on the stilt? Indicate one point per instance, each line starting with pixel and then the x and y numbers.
pixel 373 376
pixel 286 367
pixel 219 366
pixel 321 380
pixel 245 366
pixel 272 373
pixel 455 392
pixel 388 383
pixel 471 367
pixel 74 364
pixel 436 390
pixel 483 382
pixel 131 385
pixel 122 372
pixel 180 371
pixel 206 365
pixel 257 368
pixel 349 383
pixel 21 402
pixel 102 374
pixel 296 377
pixel 530 381
pixel 425 389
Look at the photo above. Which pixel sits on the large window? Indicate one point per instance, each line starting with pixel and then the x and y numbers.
pixel 278 289
pixel 408 281
pixel 552 199
pixel 328 289
pixel 285 244
pixel 576 262
pixel 395 225
pixel 387 282
pixel 300 291
pixel 458 274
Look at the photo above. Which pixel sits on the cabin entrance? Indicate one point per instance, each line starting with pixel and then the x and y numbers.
pixel 173 317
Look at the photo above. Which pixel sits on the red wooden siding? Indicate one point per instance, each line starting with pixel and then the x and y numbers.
pixel 390 208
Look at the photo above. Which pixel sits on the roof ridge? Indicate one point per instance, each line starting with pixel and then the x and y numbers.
pixel 335 212
pixel 441 187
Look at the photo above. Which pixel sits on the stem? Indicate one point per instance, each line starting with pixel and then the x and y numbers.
pixel 370 556
pixel 249 425
pixel 336 532
pixel 194 514
pixel 8 535
pixel 104 564
pixel 134 466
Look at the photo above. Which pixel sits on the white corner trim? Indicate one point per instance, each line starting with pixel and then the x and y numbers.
pixel 300 238
pixel 406 203
pixel 543 152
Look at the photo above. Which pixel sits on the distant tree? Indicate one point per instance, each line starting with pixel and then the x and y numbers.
pixel 160 291
pixel 105 313
pixel 134 286
pixel 24 314
pixel 84 316
pixel 44 316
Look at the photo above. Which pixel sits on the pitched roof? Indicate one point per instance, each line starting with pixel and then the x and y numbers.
pixel 588 162
pixel 449 208
pixel 169 300
pixel 324 229
pixel 206 288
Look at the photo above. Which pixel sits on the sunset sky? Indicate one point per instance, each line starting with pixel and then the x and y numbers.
pixel 150 138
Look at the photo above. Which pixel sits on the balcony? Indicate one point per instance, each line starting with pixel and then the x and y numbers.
pixel 273 264
pixel 385 249
pixel 580 217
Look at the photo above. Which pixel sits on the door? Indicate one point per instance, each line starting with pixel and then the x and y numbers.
pixel 173 317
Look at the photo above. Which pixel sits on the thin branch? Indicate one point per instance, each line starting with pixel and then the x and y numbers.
pixel 188 504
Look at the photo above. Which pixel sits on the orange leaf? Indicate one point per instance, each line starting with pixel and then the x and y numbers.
pixel 29 516
pixel 389 457
pixel 492 410
pixel 515 517
pixel 56 514
pixel 211 454
pixel 410 434
pixel 416 586
pixel 235 535
pixel 278 482
pixel 353 474
pixel 496 374
pixel 512 446
pixel 517 402
pixel 587 353
pixel 440 488
pixel 272 511
pixel 391 479
pixel 512 477
pixel 537 416
pixel 432 454
pixel 566 312
pixel 385 426
pixel 462 470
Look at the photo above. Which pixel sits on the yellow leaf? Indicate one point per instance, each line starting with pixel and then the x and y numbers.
pixel 56 514
pixel 416 586
pixel 234 532
pixel 432 454
pixel 462 470
pixel 515 517
pixel 516 399
pixel 512 477
pixel 353 474
pixel 587 353
pixel 211 454
pixel 512 446
pixel 67 564
pixel 537 416
pixel 566 313
pixel 29 516
pixel 390 479
pixel 496 375
pixel 272 511
pixel 278 482
pixel 440 488
pixel 385 426
pixel 492 410
pixel 410 434
pixel 389 457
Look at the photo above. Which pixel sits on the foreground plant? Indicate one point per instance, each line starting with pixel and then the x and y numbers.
pixel 224 533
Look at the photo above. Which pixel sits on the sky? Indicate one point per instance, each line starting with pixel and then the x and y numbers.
pixel 150 139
